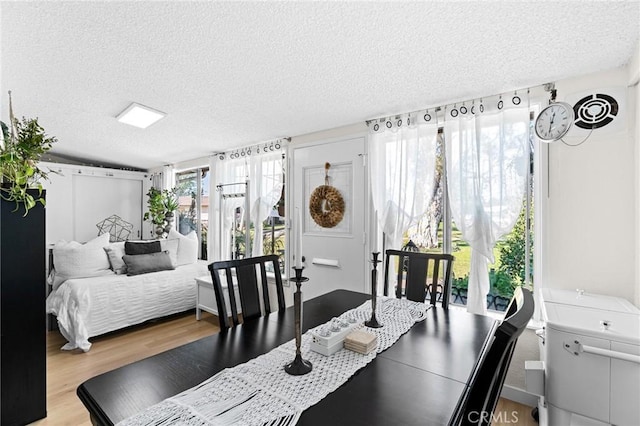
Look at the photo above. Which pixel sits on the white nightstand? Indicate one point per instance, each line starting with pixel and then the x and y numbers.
pixel 206 297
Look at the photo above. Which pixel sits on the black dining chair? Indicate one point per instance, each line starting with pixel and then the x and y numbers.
pixel 420 276
pixel 478 401
pixel 253 292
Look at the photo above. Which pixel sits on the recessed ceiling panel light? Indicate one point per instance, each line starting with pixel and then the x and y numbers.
pixel 140 116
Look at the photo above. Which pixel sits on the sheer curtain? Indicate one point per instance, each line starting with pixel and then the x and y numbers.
pixel 487 159
pixel 262 165
pixel 225 172
pixel 164 179
pixel 265 174
pixel 402 153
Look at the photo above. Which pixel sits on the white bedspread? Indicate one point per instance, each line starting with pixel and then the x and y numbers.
pixel 87 307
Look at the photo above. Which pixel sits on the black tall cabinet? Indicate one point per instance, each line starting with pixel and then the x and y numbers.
pixel 23 392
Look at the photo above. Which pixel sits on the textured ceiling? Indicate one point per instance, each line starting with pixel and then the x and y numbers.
pixel 229 74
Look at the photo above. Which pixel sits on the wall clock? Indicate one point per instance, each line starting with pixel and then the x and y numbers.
pixel 554 121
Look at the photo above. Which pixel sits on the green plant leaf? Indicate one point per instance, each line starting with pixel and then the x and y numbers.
pixel 20 157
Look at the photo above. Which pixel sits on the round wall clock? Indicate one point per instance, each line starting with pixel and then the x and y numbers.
pixel 554 121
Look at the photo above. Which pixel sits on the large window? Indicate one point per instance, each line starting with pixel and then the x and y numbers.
pixel 436 232
pixel 193 212
pixel 248 205
pixel 272 229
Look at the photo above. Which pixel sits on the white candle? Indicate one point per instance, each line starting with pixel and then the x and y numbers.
pixel 298 239
pixel 374 235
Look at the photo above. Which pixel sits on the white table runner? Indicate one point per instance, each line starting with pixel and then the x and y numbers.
pixel 260 392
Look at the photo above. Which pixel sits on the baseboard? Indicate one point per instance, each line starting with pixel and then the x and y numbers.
pixel 519 395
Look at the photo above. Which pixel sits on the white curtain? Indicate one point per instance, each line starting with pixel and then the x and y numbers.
pixel 487 160
pixel 402 153
pixel 164 179
pixel 168 177
pixel 265 174
pixel 156 180
pixel 225 172
pixel 262 165
pixel 213 231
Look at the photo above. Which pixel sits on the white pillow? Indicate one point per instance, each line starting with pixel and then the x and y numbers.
pixel 171 245
pixel 115 251
pixel 75 260
pixel 188 247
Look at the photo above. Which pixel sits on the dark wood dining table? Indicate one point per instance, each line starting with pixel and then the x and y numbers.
pixel 417 381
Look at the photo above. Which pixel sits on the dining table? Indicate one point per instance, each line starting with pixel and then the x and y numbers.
pixel 416 381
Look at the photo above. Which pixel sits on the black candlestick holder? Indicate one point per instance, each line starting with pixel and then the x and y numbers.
pixel 373 322
pixel 298 366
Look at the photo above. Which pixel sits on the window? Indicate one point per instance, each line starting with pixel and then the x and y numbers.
pixel 249 204
pixel 436 232
pixel 193 211
pixel 272 229
pixel 273 237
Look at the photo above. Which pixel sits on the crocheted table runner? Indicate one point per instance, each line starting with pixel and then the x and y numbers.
pixel 260 392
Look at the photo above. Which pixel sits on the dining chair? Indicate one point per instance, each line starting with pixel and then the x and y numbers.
pixel 253 292
pixel 478 401
pixel 420 276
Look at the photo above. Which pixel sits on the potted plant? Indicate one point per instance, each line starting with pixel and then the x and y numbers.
pixel 22 269
pixel 156 212
pixel 20 150
pixel 171 204
pixel 162 204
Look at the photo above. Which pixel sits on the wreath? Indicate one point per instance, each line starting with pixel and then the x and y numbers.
pixel 326 204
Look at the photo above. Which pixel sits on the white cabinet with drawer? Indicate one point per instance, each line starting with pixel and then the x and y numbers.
pixel 206 297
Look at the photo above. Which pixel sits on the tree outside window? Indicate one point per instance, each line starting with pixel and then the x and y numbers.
pixel 508 271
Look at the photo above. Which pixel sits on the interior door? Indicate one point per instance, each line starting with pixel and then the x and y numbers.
pixel 335 256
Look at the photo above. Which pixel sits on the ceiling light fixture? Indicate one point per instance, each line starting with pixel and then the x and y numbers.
pixel 139 116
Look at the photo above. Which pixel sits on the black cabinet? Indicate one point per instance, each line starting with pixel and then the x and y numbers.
pixel 23 362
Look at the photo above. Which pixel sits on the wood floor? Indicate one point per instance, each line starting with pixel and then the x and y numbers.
pixel 509 413
pixel 66 370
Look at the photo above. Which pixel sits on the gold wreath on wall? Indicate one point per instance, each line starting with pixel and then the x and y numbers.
pixel 326 204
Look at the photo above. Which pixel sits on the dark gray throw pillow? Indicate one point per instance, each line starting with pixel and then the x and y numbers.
pixel 131 247
pixel 144 263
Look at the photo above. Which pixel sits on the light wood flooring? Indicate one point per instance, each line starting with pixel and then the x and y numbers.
pixel 66 370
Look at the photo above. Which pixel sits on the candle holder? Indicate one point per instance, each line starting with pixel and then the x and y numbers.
pixel 373 322
pixel 298 366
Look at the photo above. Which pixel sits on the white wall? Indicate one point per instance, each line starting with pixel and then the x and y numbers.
pixel 331 134
pixel 66 199
pixel 592 200
pixel 634 89
pixel 200 162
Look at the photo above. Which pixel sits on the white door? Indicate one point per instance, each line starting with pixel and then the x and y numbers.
pixel 335 256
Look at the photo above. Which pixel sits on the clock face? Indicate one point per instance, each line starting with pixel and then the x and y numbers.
pixel 554 121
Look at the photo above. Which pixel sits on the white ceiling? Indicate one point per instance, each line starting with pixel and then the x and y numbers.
pixel 230 74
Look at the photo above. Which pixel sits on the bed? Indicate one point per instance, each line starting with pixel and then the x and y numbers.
pixel 109 298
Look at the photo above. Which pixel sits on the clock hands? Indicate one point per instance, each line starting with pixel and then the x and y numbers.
pixel 554 121
pixel 553 116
